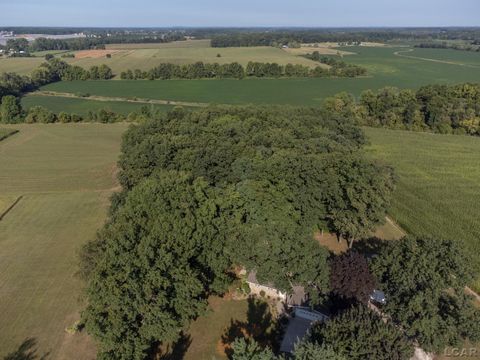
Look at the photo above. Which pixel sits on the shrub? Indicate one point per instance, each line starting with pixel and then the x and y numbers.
pixel 75 328
pixel 39 114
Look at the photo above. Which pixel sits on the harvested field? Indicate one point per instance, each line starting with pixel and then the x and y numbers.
pixel 94 54
pixel 147 58
pixel 323 50
pixel 171 45
pixel 66 174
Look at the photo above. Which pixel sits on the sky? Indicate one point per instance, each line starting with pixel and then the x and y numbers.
pixel 308 13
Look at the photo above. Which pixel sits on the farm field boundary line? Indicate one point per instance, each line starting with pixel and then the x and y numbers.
pixel 120 99
pixel 395 225
pixel 401 53
pixel 10 208
pixel 6 136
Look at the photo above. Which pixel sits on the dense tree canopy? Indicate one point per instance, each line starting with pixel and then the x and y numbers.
pixel 424 280
pixel 360 334
pixel 305 350
pixel 204 191
pixel 350 277
pixel 158 259
pixel 440 108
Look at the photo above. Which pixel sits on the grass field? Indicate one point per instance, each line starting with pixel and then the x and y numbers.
pixel 83 106
pixel 132 58
pixel 65 174
pixel 438 177
pixel 174 44
pixel 5 133
pixel 384 69
pixel 206 332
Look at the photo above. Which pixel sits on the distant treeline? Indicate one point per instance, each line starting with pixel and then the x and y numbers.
pixel 200 70
pixel 86 43
pixel 446 109
pixel 444 45
pixel 275 37
pixel 226 37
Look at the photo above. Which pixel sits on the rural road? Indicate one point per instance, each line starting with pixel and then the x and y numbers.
pixel 401 53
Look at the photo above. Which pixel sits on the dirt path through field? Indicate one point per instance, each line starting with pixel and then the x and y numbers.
pixel 119 99
pixel 401 53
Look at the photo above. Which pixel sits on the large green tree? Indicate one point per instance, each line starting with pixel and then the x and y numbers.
pixel 250 350
pixel 350 277
pixel 358 196
pixel 156 262
pixel 10 110
pixel 361 334
pixel 424 281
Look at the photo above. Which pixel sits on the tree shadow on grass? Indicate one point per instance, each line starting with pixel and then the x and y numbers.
pixel 177 350
pixel 26 351
pixel 260 326
pixel 369 247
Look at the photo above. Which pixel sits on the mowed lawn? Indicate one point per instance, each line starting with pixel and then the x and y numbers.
pixel 65 175
pixel 438 189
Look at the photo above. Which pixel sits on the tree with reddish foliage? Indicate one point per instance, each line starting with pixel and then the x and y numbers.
pixel 350 277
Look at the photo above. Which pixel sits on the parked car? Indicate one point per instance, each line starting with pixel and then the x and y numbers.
pixel 378 297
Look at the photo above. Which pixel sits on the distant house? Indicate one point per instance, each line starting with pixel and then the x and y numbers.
pixel 298 326
pixel 297 297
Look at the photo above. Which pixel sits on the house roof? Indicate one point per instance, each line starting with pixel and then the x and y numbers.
pixel 298 327
pixel 297 296
pixel 296 330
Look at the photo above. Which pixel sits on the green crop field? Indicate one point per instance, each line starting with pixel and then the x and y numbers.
pixel 438 192
pixel 83 106
pixel 65 174
pixel 384 67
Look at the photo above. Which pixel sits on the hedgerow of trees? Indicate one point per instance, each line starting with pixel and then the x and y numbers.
pixel 48 72
pixel 203 192
pixel 11 112
pixel 337 67
pixel 200 70
pixel 473 46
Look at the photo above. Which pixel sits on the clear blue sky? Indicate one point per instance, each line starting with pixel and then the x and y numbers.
pixel 318 13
